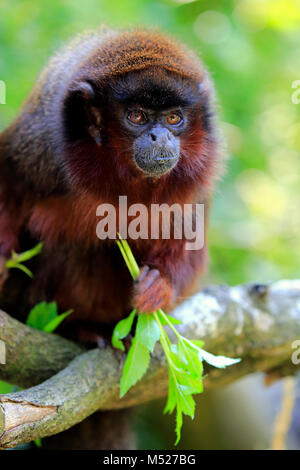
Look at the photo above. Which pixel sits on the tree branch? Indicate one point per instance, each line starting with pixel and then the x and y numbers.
pixel 255 322
pixel 32 356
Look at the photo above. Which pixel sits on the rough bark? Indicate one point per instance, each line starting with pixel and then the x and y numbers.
pixel 32 356
pixel 258 323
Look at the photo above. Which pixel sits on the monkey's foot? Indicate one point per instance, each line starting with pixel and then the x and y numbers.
pixel 91 338
pixel 151 291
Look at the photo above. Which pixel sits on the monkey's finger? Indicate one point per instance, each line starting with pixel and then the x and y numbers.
pixel 153 305
pixel 157 296
pixel 152 276
pixel 143 273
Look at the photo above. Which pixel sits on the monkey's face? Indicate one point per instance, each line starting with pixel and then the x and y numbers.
pixel 154 110
pixel 156 147
pixel 146 122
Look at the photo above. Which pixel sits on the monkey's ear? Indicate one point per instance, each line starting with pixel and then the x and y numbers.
pixel 82 112
pixel 83 89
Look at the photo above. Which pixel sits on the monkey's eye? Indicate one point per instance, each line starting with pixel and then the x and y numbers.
pixel 137 117
pixel 174 119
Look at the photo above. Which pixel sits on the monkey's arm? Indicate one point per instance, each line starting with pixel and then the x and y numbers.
pixel 13 211
pixel 28 174
pixel 16 199
pixel 10 207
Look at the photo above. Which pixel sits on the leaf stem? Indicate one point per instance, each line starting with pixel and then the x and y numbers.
pixel 170 324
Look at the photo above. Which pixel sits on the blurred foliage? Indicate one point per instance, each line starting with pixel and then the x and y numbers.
pixel 252 48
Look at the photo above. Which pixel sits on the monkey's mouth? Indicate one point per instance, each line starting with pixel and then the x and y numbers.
pixel 163 159
pixel 156 163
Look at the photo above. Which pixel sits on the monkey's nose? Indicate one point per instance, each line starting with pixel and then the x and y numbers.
pixel 160 136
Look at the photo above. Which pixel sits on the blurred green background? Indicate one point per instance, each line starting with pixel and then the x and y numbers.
pixel 252 48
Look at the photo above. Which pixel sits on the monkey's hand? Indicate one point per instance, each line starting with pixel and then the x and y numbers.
pixel 3 271
pixel 151 291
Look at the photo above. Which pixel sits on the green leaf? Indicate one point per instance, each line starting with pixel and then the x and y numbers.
pixel 17 259
pixel 121 330
pixel 217 361
pixel 38 442
pixel 53 324
pixel 26 255
pixel 197 342
pixel 21 267
pixel 191 358
pixel 174 360
pixel 135 366
pixel 187 403
pixel 172 396
pixel 171 319
pixel 178 425
pixel 41 315
pixel 44 317
pixel 189 389
pixel 190 385
pixel 186 361
pixel 147 330
pixel 6 387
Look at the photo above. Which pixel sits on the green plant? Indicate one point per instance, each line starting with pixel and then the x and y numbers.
pixel 184 357
pixel 44 316
pixel 17 259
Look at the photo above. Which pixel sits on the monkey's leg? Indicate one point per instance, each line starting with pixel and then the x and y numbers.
pixel 109 430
